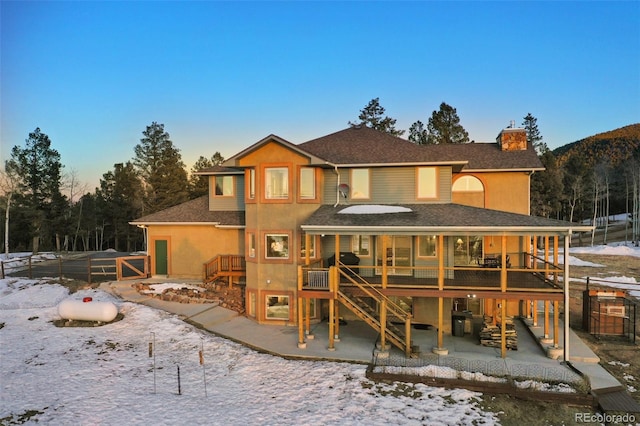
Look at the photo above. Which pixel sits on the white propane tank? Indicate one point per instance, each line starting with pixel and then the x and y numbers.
pixel 87 310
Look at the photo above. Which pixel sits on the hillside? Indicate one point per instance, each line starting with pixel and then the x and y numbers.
pixel 615 146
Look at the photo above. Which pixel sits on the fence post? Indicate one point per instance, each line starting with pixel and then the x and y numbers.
pixel 60 267
pixel 30 274
pixel 2 267
pixel 89 270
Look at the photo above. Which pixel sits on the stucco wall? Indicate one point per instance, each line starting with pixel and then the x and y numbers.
pixel 189 246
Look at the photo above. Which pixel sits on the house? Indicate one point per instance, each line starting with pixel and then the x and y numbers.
pixel 436 235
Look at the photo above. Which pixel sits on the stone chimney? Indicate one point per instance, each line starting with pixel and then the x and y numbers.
pixel 512 139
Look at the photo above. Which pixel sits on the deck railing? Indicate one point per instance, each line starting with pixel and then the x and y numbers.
pixel 539 276
pixel 224 265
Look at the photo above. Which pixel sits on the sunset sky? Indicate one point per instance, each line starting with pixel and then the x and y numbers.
pixel 223 75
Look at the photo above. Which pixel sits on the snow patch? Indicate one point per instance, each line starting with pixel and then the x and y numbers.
pixel 374 209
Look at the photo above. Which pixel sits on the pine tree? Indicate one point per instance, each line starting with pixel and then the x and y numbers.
pixel 534 138
pixel 444 126
pixel 160 166
pixel 39 169
pixel 418 134
pixel 373 116
pixel 198 184
pixel 119 198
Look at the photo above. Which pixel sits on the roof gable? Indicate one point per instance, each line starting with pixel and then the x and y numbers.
pixel 235 161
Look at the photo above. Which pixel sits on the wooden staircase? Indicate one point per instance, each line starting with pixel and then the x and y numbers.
pixel 377 310
pixel 224 266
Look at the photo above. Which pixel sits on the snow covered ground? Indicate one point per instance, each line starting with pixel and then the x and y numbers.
pixel 106 376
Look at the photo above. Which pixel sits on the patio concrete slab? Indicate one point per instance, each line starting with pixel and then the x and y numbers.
pixel 357 341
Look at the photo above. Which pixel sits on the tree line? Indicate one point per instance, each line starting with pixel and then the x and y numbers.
pixel 39 217
pixel 44 211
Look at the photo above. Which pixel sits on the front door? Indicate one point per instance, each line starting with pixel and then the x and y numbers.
pixel 398 256
pixel 162 258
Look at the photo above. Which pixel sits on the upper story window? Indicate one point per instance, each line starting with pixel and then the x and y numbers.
pixel 468 184
pixel 307 183
pixel 251 187
pixel 276 185
pixel 427 182
pixel 224 186
pixel 360 184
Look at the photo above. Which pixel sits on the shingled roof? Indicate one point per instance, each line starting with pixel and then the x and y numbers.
pixel 363 145
pixel 192 212
pixel 441 218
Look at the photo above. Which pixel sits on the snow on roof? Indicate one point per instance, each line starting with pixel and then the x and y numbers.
pixel 374 209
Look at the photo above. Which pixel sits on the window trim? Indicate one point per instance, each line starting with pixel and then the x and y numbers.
pixel 436 179
pixel 266 294
pixel 316 186
pixel 223 195
pixel 251 235
pixel 263 179
pixel 290 246
pixel 250 177
pixel 351 182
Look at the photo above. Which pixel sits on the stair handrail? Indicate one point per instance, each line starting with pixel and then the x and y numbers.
pixel 391 305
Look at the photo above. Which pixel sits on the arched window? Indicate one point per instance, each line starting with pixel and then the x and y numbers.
pixel 468 184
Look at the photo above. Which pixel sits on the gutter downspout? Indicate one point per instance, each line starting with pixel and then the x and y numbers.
pixel 335 169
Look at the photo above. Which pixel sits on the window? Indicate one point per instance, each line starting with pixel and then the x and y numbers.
pixel 469 184
pixel 427 182
pixel 251 188
pixel 276 185
pixel 224 186
pixel 312 248
pixel 277 246
pixel 307 183
pixel 277 307
pixel 252 244
pixel 360 245
pixel 251 307
pixel 427 245
pixel 360 184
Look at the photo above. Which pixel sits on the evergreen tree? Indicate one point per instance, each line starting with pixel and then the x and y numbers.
pixel 547 188
pixel 119 198
pixel 198 184
pixel 444 126
pixel 39 168
pixel 418 134
pixel 373 116
pixel 534 138
pixel 160 166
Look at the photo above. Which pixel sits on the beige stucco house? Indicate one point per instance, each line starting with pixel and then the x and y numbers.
pixel 436 231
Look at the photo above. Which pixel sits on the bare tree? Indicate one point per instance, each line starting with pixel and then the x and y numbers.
pixel 9 184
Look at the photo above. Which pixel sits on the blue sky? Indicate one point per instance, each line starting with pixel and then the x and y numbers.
pixel 223 75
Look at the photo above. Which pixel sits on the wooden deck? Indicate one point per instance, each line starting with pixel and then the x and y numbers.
pixel 482 282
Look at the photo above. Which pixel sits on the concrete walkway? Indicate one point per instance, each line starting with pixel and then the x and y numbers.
pixel 356 342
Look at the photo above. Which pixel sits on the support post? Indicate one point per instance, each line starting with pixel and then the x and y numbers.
pixel 385 268
pixel 333 287
pixel 567 308
pixel 383 324
pixel 503 328
pixel 440 350
pixel 503 266
pixel 546 319
pixel 301 342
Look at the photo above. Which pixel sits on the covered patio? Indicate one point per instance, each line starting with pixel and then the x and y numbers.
pixel 517 272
